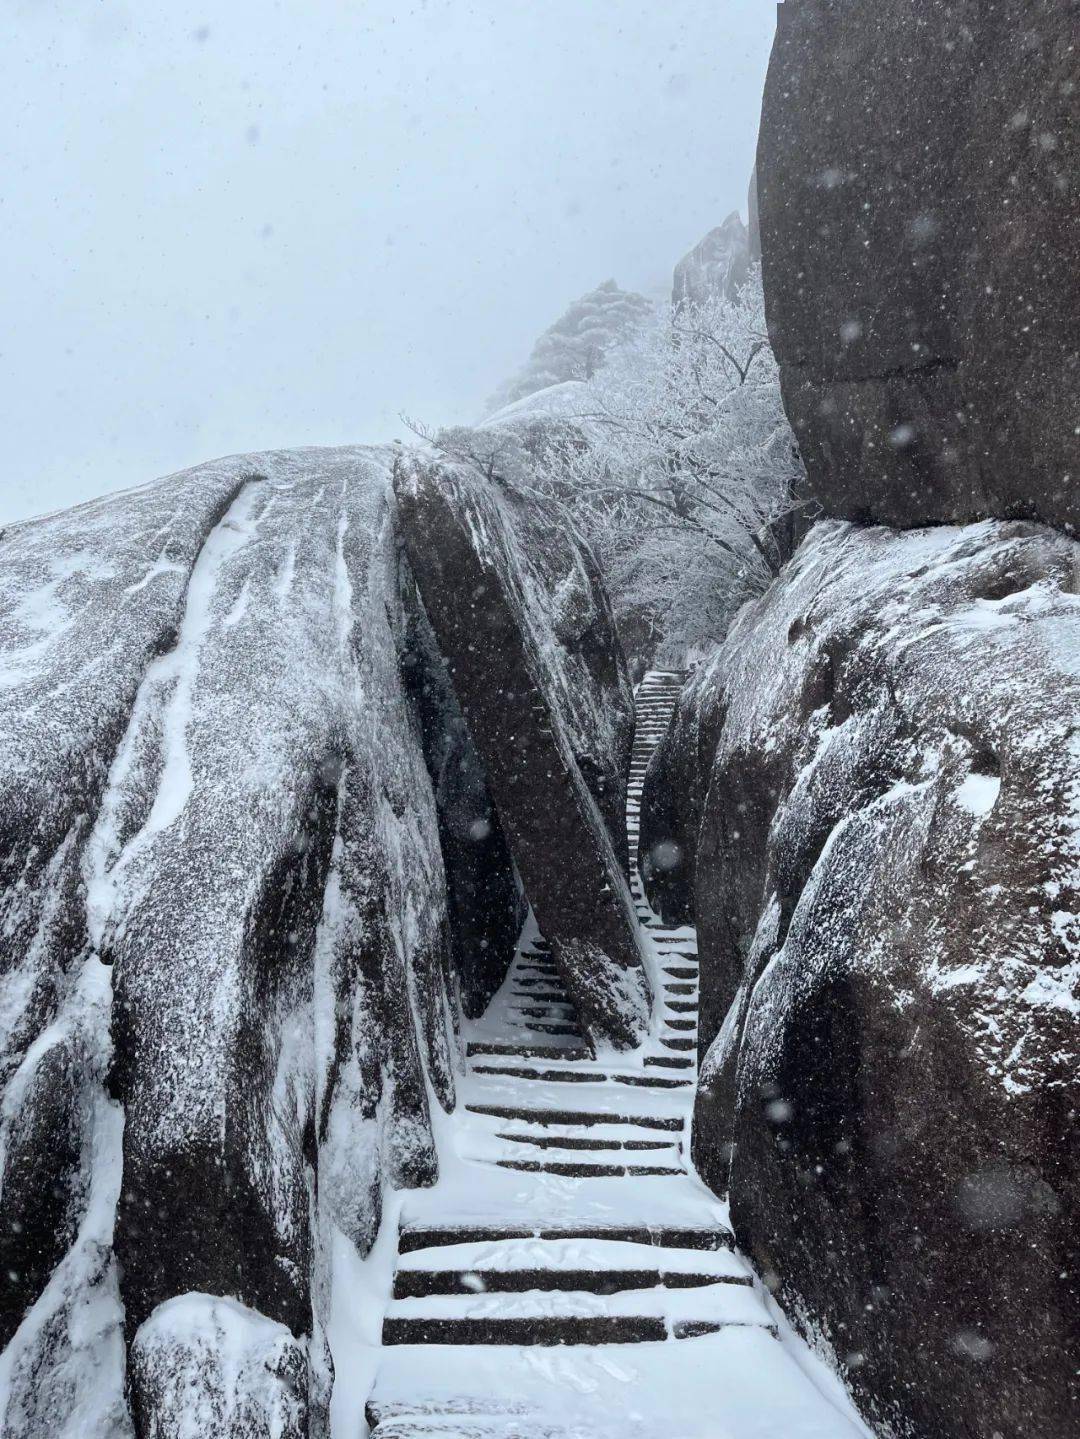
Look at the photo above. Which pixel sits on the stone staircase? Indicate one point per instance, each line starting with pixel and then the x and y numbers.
pixel 567 1220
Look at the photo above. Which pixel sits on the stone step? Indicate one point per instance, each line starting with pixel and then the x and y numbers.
pixel 439 1425
pixel 564 1317
pixel 540 1026
pixel 576 1076
pixel 543 1076
pixel 529 1051
pixel 581 1169
pixel 543 1141
pixel 600 1329
pixel 679 1006
pixel 683 1044
pixel 584 1117
pixel 680 1024
pixel 680 988
pixel 680 971
pixel 419 1283
pixel 669 1061
pixel 414 1237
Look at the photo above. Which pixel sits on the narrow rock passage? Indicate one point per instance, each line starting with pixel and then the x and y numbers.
pixel 540 1286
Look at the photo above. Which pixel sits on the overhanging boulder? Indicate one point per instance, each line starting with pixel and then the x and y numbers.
pixel 920 224
pixel 530 644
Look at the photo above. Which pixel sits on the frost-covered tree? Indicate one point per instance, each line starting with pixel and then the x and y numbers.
pixel 575 346
pixel 674 457
pixel 687 469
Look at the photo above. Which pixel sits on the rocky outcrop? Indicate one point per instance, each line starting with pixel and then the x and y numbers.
pixel 252 875
pixel 716 266
pixel 887 889
pixel 227 935
pixel 487 907
pixel 920 225
pixel 529 641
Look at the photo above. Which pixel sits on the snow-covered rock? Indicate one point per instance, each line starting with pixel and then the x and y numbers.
pixel 887 889
pixel 526 630
pixel 232 761
pixel 202 1365
pixel 226 922
pixel 717 265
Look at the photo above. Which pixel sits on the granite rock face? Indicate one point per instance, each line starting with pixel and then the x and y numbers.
pixel 252 875
pixel 487 907
pixel 529 641
pixel 920 233
pixel 717 265
pixel 227 949
pixel 887 889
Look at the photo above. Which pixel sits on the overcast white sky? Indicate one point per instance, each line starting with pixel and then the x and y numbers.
pixel 281 222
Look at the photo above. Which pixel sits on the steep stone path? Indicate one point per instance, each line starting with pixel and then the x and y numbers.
pixel 539 1286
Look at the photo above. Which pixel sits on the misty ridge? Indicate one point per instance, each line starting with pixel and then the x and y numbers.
pixel 540 888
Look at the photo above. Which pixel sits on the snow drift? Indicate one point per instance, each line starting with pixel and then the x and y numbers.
pixel 886 879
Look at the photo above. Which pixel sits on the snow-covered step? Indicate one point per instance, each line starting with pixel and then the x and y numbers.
pixel 559 1156
pixel 546 1316
pixel 586 1142
pixel 471 1426
pixel 465 1279
pixel 738 1383
pixel 552 1116
pixel 525 1050
pixel 539 1026
pixel 701 1238
pixel 572 1076
pixel 576 1166
pixel 555 1257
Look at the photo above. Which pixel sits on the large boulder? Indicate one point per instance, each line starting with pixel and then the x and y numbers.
pixel 887 888
pixel 487 907
pixel 236 774
pixel 271 738
pixel 227 930
pixel 920 227
pixel 527 634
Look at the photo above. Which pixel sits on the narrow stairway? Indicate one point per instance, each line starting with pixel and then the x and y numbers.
pixel 540 1285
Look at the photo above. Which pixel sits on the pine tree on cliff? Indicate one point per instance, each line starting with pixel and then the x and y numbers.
pixel 575 345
